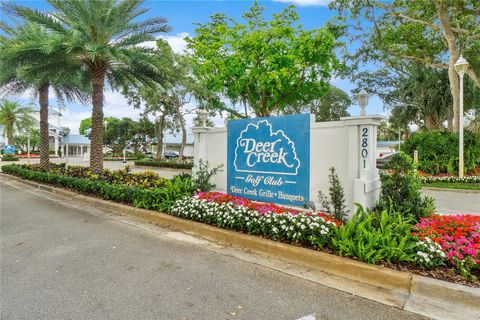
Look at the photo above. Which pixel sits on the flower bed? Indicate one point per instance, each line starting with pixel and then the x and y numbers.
pixel 438 246
pixel 266 219
pixel 451 240
pixel 25 155
pixel 417 250
pixel 450 179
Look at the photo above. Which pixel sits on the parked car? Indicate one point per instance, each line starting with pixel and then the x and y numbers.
pixel 170 154
pixel 149 155
pixel 384 159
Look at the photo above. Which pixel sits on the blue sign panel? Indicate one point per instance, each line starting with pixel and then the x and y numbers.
pixel 269 159
pixel 8 149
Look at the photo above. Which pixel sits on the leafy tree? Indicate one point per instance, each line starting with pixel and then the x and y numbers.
pixel 432 33
pixel 85 124
pixel 103 36
pixel 332 106
pixel 386 132
pixel 119 133
pixel 28 64
pixel 167 101
pixel 15 117
pixel 265 65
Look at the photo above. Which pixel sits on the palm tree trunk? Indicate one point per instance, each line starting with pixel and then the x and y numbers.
pixel 181 120
pixel 9 130
pixel 159 124
pixel 96 135
pixel 44 143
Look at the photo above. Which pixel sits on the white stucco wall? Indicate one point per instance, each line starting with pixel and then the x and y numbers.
pixel 332 144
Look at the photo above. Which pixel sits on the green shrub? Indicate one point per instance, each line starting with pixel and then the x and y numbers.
pixel 165 164
pixel 164 198
pixel 203 174
pixel 160 199
pixel 376 236
pixel 9 157
pixel 438 151
pixel 334 203
pixel 401 189
pixel 146 179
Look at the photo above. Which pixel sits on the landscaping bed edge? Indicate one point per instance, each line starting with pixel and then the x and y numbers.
pixel 400 289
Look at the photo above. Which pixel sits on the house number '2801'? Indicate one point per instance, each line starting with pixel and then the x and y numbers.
pixel 364 147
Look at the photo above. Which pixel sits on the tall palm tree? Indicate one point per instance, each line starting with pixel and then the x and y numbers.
pixel 105 36
pixel 27 64
pixel 14 116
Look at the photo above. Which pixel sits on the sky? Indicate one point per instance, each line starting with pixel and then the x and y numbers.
pixel 182 16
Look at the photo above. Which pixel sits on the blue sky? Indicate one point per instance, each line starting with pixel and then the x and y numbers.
pixel 182 16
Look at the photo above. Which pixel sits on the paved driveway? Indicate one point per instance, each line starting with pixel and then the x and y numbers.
pixel 453 202
pixel 63 260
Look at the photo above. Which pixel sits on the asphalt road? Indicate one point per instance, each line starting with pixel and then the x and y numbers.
pixel 454 202
pixel 64 260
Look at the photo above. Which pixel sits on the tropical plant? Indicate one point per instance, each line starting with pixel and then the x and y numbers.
pixel 401 189
pixel 28 63
pixel 21 141
pixel 15 117
pixel 374 237
pixel 104 36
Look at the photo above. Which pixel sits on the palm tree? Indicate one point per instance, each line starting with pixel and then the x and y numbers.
pixel 14 116
pixel 105 36
pixel 28 65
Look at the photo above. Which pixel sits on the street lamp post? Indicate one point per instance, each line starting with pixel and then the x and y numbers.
pixel 362 100
pixel 461 66
pixel 28 147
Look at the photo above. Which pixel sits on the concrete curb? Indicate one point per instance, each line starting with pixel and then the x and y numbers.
pixel 443 300
pixel 430 297
pixel 451 190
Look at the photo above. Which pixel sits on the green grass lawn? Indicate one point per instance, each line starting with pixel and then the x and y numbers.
pixel 456 185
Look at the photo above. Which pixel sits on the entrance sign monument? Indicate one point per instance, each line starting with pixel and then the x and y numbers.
pixel 268 159
pixel 286 159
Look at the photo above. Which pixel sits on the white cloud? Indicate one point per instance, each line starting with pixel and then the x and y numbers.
pixel 71 119
pixel 177 42
pixel 115 105
pixel 305 3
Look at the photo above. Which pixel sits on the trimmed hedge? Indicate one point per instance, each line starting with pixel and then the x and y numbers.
pixel 165 164
pixel 119 159
pixel 9 157
pixel 160 199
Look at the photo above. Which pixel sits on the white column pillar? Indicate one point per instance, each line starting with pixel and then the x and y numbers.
pixel 362 163
pixel 56 145
pixel 199 144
